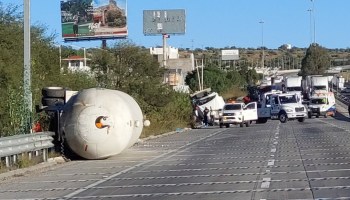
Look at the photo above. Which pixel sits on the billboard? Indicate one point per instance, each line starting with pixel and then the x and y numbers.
pixel 164 22
pixel 232 54
pixel 93 19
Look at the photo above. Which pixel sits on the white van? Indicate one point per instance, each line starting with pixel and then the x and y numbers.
pixel 322 104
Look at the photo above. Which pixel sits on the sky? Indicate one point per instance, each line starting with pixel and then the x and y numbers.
pixel 224 23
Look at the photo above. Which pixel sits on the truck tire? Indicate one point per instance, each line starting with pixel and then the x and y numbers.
pixel 227 125
pixel 53 92
pixel 261 120
pixel 221 125
pixel 247 124
pixel 52 101
pixel 283 117
pixel 241 125
pixel 309 115
pixel 301 119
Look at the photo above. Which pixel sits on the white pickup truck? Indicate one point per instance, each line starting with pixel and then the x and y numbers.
pixel 238 113
pixel 287 106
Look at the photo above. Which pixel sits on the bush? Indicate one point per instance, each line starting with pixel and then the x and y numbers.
pixel 175 114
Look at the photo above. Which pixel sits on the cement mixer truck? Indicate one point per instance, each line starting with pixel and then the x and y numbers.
pixel 99 123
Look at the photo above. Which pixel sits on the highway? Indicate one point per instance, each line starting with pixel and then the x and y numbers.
pixel 309 160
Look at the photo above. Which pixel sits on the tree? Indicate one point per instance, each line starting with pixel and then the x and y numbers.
pixel 316 61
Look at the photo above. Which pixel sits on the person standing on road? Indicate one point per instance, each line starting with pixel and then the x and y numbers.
pixel 206 113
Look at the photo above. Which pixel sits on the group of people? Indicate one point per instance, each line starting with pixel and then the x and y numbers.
pixel 202 116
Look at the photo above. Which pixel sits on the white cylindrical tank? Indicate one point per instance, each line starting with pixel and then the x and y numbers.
pixel 99 123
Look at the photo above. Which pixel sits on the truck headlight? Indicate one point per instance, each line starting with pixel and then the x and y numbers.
pixel 289 109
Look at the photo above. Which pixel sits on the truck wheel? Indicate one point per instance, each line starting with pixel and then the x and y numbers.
pixel 221 125
pixel 227 125
pixel 309 115
pixel 325 115
pixel 317 116
pixel 241 124
pixel 52 101
pixel 247 124
pixel 53 92
pixel 301 119
pixel 283 117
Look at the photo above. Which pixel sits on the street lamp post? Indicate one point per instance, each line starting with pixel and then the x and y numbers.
pixel 27 67
pixel 314 19
pixel 310 11
pixel 262 45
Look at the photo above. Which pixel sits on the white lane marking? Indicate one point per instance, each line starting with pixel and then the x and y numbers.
pixel 271 162
pixel 275 143
pixel 184 147
pixel 268 171
pixel 273 150
pixel 272 155
pixel 266 183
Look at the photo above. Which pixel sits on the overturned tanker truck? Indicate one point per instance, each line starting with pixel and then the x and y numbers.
pixel 98 123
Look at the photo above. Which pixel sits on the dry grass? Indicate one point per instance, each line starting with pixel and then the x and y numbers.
pixel 233 93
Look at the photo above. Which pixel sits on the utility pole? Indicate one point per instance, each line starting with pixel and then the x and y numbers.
pixel 262 45
pixel 28 104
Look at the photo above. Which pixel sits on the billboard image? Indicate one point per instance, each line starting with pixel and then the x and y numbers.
pixel 93 19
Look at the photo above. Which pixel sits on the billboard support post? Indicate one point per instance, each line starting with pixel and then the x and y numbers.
pixel 164 50
pixel 104 44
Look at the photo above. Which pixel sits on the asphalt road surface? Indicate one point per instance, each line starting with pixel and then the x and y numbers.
pixel 309 160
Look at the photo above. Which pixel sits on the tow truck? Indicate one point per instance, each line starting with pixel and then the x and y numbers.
pixel 287 106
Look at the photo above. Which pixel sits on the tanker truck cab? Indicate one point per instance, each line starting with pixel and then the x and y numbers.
pixel 238 113
pixel 322 104
pixel 287 107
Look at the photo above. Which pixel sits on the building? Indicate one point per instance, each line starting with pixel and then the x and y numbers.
pixel 177 67
pixel 77 64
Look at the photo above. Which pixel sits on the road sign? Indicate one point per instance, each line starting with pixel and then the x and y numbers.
pixel 157 22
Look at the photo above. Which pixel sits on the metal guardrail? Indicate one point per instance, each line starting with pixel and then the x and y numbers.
pixel 12 146
pixel 340 97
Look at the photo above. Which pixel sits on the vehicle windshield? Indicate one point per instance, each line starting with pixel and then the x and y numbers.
pixel 288 99
pixel 320 87
pixel 294 88
pixel 318 101
pixel 233 107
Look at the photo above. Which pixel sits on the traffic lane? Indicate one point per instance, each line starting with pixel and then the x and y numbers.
pixel 240 176
pixel 325 152
pixel 69 177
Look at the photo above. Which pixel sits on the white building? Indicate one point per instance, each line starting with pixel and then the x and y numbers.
pixel 77 64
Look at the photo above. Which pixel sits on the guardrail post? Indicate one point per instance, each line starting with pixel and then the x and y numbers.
pixel 14 159
pixel 45 153
pixel 7 161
